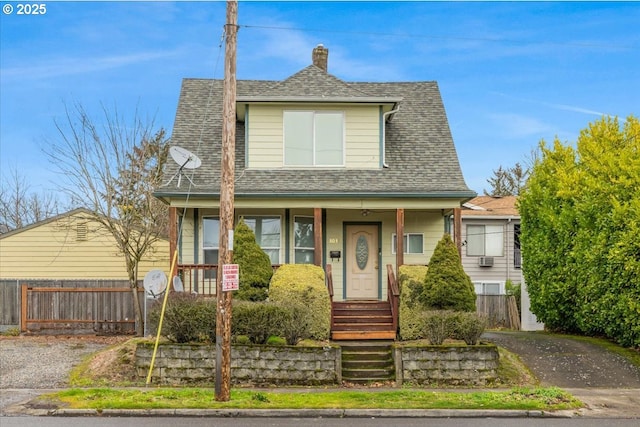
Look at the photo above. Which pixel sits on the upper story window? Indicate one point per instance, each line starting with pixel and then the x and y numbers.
pixel 313 138
pixel 485 240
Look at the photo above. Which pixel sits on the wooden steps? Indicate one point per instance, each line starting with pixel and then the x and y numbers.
pixel 367 361
pixel 362 320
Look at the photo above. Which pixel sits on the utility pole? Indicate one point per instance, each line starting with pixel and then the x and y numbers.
pixel 225 256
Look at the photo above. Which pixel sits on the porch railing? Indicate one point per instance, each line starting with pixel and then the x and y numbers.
pixel 393 295
pixel 201 278
pixel 198 278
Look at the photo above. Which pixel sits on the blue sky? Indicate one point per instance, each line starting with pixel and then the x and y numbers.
pixel 510 73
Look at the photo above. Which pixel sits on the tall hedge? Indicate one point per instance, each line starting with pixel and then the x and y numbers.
pixel 304 285
pixel 254 263
pixel 447 286
pixel 580 215
pixel 411 283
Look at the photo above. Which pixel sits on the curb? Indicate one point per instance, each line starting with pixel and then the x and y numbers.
pixel 307 413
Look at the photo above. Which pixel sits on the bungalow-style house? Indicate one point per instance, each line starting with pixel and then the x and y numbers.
pixel 70 246
pixel 327 172
pixel 68 251
pixel 490 236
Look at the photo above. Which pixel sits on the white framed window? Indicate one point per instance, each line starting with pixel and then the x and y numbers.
pixel 267 230
pixel 489 288
pixel 303 240
pixel 313 138
pixel 210 243
pixel 210 239
pixel 413 243
pixel 485 240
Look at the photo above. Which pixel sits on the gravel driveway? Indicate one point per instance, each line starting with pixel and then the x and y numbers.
pixel 42 362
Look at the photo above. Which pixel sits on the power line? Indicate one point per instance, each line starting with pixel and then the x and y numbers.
pixel 435 37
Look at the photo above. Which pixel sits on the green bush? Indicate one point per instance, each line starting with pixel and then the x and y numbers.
pixel 468 327
pixel 258 320
pixel 439 325
pixel 447 286
pixel 274 340
pixel 296 323
pixel 580 215
pixel 254 263
pixel 304 285
pixel 411 283
pixel 187 318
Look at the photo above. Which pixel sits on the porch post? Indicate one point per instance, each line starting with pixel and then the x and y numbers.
pixel 457 229
pixel 399 239
pixel 317 236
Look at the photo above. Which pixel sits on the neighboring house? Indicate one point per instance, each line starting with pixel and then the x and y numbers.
pixel 327 172
pixel 490 236
pixel 67 247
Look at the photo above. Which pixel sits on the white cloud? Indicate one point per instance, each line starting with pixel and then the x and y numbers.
pixel 511 125
pixel 76 65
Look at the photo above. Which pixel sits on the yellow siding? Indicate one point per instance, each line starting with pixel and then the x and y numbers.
pixel 53 251
pixel 429 223
pixel 362 135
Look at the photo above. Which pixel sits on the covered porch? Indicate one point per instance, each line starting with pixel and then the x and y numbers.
pixel 357 249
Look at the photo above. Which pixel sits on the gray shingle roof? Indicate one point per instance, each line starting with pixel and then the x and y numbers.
pixel 420 152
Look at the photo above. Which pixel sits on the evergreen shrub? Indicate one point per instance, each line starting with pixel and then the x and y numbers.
pixel 447 286
pixel 303 285
pixel 254 263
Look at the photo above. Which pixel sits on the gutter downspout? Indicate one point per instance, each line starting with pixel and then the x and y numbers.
pixel 384 136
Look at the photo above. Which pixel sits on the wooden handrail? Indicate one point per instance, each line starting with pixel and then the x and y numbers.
pixel 393 295
pixel 329 280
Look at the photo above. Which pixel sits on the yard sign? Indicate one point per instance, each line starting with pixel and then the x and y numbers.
pixel 230 277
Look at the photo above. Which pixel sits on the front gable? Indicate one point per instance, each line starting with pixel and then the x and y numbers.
pixel 396 141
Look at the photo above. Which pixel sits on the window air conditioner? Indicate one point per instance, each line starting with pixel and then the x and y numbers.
pixel 485 261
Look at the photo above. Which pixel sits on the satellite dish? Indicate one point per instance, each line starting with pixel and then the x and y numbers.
pixel 186 159
pixel 177 284
pixel 155 283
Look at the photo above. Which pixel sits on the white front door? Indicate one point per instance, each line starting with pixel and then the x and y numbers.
pixel 362 262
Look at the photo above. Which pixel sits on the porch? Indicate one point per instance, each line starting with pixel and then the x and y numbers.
pixel 350 319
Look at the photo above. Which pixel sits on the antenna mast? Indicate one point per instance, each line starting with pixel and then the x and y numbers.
pixel 223 314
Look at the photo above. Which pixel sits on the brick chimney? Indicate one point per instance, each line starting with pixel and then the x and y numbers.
pixel 320 57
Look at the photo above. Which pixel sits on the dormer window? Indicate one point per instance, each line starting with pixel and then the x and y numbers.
pixel 313 138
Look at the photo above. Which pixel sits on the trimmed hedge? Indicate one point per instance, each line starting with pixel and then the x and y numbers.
pixel 303 286
pixel 411 284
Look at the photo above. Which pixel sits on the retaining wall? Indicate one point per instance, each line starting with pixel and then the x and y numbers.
pixel 184 364
pixel 180 364
pixel 453 365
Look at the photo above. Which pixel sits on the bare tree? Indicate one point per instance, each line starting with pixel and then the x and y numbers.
pixel 20 205
pixel 112 170
pixel 507 182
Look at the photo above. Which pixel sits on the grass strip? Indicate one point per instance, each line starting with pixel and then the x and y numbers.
pixel 546 399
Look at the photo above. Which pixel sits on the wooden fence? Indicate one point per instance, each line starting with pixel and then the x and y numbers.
pixel 88 306
pixel 501 311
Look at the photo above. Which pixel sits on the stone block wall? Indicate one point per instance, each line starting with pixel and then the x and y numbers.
pixel 452 365
pixel 184 364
